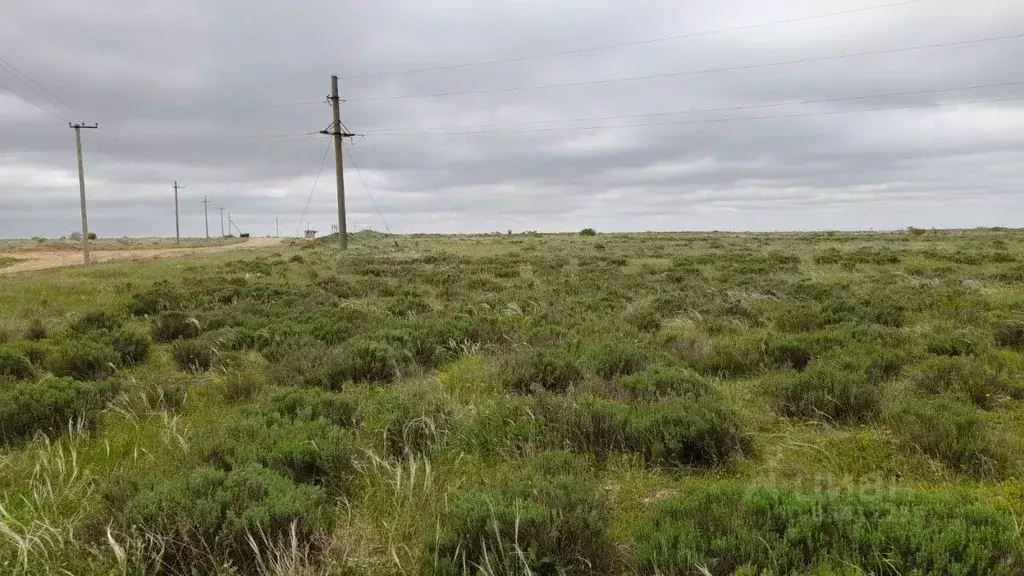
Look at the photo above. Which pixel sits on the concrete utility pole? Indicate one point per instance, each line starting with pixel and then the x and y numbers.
pixel 277 227
pixel 81 186
pixel 221 220
pixel 177 228
pixel 336 131
pixel 206 214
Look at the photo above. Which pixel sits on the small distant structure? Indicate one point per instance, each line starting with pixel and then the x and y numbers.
pixel 310 234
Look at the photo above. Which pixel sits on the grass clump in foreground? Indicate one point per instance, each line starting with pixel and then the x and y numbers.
pixel 521 404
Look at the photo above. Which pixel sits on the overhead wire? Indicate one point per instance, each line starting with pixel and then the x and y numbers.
pixel 715 120
pixel 366 187
pixel 649 41
pixel 316 180
pixel 418 129
pixel 690 72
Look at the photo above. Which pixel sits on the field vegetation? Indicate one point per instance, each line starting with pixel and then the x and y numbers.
pixel 72 244
pixel 585 403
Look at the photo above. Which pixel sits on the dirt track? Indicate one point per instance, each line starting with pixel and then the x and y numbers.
pixel 56 259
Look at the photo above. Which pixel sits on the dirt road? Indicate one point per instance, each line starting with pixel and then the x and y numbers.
pixel 43 260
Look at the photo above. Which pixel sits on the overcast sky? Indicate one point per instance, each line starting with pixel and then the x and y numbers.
pixel 220 96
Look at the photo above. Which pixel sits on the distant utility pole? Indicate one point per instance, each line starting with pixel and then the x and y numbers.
pixel 277 227
pixel 336 131
pixel 221 220
pixel 206 214
pixel 177 228
pixel 81 186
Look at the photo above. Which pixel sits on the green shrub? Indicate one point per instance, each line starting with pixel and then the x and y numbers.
pixel 954 434
pixel 767 530
pixel 532 522
pixel 588 232
pixel 204 518
pixel 163 391
pixel 48 406
pixel 790 353
pixel 237 338
pixel 954 342
pixel 83 360
pixel 613 358
pixel 643 318
pixel 193 355
pixel 407 420
pixel 978 380
pixel 15 365
pixel 829 389
pixel 728 356
pixel 661 381
pixel 308 405
pixel 131 346
pixel 175 325
pixel 36 352
pixel 35 330
pixel 548 369
pixel 242 385
pixel 799 317
pixel 361 361
pixel 97 320
pixel 581 424
pixel 687 432
pixel 159 297
pixel 307 451
pixel 1010 334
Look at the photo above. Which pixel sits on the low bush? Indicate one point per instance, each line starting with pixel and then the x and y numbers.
pixel 204 518
pixel 361 360
pixel 588 232
pixel 954 434
pixel 157 298
pixel 660 382
pixel 789 353
pixel 540 369
pixel 162 391
pixel 193 355
pixel 981 380
pixel 132 346
pixel 242 384
pixel 728 356
pixel 95 321
pixel 309 452
pixel 83 360
pixel 954 342
pixel 407 420
pixel 309 405
pixel 541 519
pixel 48 406
pixel 15 365
pixel 36 352
pixel 830 389
pixel 1010 333
pixel 687 432
pixel 175 325
pixel 768 530
pixel 35 330
pixel 613 358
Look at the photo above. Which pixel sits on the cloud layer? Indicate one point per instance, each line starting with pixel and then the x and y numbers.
pixel 862 132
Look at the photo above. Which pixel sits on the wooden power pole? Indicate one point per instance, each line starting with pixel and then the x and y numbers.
pixel 336 131
pixel 81 186
pixel 206 215
pixel 177 227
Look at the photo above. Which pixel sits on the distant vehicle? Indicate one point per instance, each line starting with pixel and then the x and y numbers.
pixel 243 235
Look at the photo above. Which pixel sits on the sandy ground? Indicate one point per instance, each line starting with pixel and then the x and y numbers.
pixel 56 259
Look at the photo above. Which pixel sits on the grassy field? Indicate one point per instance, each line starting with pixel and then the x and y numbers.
pixel 51 244
pixel 528 404
pixel 7 261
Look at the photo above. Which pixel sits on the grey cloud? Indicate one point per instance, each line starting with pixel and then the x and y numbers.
pixel 189 90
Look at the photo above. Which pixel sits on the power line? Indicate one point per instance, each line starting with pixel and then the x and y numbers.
pixel 368 192
pixel 35 104
pixel 47 94
pixel 692 72
pixel 719 120
pixel 697 110
pixel 634 43
pixel 316 180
